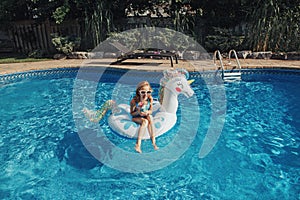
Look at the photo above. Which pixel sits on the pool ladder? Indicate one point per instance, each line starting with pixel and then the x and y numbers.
pixel 229 75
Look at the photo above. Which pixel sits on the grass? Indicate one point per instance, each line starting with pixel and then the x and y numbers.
pixel 19 60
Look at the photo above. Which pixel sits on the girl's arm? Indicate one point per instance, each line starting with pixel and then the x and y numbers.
pixel 134 111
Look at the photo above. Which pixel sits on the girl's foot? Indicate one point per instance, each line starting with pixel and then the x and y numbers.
pixel 138 148
pixel 155 147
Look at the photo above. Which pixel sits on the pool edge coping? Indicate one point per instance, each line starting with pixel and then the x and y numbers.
pixel 13 68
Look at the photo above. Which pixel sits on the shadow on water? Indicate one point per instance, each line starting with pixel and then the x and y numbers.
pixel 72 150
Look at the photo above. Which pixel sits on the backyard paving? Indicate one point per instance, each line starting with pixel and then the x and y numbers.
pixel 147 64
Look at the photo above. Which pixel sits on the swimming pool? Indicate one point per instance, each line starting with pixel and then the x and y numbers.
pixel 256 156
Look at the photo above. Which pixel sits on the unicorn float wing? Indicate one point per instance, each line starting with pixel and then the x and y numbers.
pixel 164 115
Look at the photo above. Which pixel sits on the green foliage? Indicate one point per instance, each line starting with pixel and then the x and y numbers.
pixel 19 60
pixel 60 13
pixel 97 20
pixel 223 40
pixel 275 26
pixel 38 53
pixel 14 10
pixel 151 37
pixel 65 44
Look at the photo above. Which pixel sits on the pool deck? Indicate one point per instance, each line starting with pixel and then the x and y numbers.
pixel 147 64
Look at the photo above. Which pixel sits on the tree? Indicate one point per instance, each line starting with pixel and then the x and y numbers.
pixel 14 10
pixel 274 25
pixel 184 15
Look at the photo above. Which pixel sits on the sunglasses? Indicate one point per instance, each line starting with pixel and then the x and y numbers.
pixel 145 92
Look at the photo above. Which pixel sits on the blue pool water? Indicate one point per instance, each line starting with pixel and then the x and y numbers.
pixel 256 156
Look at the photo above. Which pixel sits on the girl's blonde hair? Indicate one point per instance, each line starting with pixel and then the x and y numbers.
pixel 140 86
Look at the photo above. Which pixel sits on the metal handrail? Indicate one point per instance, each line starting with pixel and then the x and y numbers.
pixel 236 58
pixel 217 52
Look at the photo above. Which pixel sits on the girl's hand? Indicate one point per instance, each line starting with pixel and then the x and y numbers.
pixel 139 110
pixel 144 114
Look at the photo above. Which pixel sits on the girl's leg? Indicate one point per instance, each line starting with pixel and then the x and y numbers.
pixel 151 131
pixel 143 122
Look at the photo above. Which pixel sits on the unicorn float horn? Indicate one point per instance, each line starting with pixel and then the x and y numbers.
pixel 191 81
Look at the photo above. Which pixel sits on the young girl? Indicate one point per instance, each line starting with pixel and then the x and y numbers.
pixel 141 111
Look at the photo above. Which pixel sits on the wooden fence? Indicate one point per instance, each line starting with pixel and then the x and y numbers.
pixel 28 36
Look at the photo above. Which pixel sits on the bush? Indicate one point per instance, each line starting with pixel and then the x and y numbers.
pixel 37 53
pixel 65 44
pixel 223 40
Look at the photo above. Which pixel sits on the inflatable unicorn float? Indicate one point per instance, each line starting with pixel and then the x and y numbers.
pixel 173 83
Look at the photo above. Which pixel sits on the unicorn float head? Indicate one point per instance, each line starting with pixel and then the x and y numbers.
pixel 173 83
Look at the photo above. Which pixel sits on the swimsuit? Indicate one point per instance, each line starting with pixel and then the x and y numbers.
pixel 143 109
